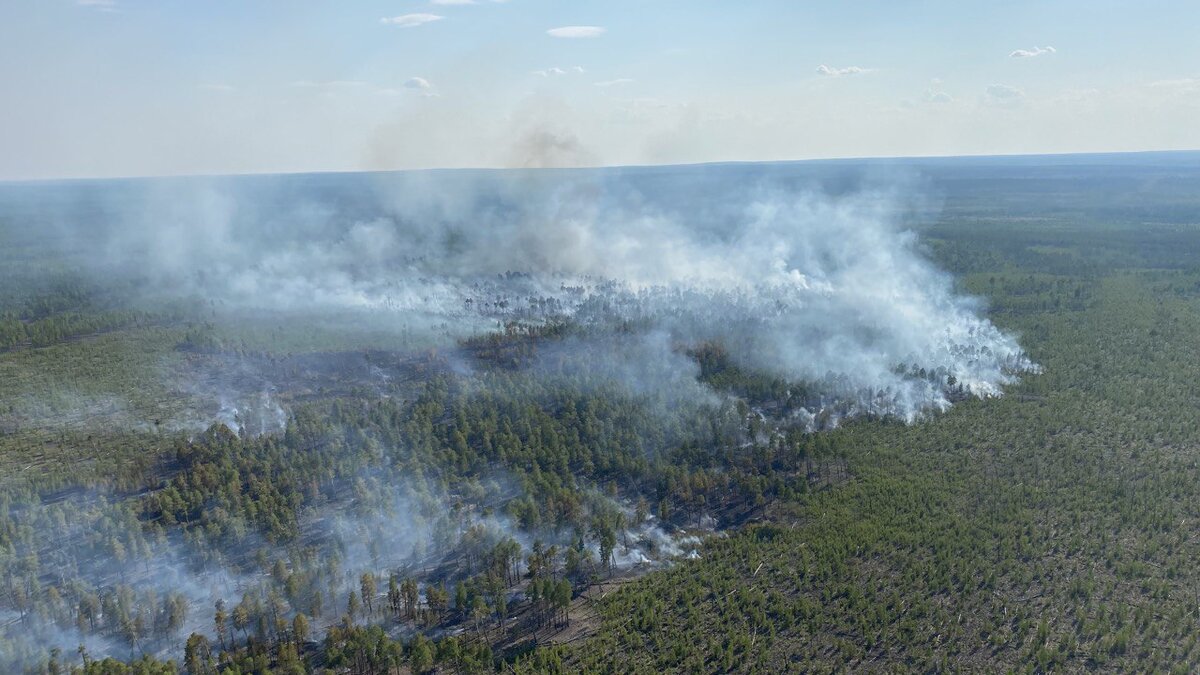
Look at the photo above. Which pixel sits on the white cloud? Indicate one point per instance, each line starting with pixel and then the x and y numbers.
pixel 452 2
pixel 1030 53
pixel 1180 83
pixel 838 72
pixel 1181 88
pixel 327 84
pixel 934 96
pixel 1085 95
pixel 422 85
pixel 555 70
pixel 1003 95
pixel 613 83
pixel 411 20
pixel 1004 91
pixel 576 32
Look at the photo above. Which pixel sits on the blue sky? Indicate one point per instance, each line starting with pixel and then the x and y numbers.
pixel 148 87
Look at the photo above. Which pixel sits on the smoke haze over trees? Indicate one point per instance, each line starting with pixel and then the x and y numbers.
pixel 814 283
pixel 471 386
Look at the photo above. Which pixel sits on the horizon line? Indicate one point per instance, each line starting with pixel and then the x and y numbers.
pixel 596 167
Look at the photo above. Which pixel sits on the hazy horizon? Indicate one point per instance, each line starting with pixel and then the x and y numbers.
pixel 1101 156
pixel 308 87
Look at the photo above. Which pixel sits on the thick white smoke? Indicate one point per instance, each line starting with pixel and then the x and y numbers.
pixel 827 290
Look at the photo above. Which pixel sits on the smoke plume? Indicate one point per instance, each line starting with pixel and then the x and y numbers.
pixel 821 287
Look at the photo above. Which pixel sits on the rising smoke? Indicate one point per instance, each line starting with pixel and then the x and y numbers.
pixel 822 286
pixel 825 288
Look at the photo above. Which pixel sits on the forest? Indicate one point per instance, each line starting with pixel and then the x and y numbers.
pixel 593 480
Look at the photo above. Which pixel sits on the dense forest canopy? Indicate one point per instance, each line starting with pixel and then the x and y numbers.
pixel 891 415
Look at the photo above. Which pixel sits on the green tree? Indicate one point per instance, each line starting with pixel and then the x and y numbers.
pixel 300 628
pixel 197 655
pixel 367 586
pixel 421 654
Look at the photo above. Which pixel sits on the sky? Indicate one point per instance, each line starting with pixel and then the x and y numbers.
pixel 105 88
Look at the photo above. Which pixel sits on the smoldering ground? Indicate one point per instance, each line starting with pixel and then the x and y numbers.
pixel 116 589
